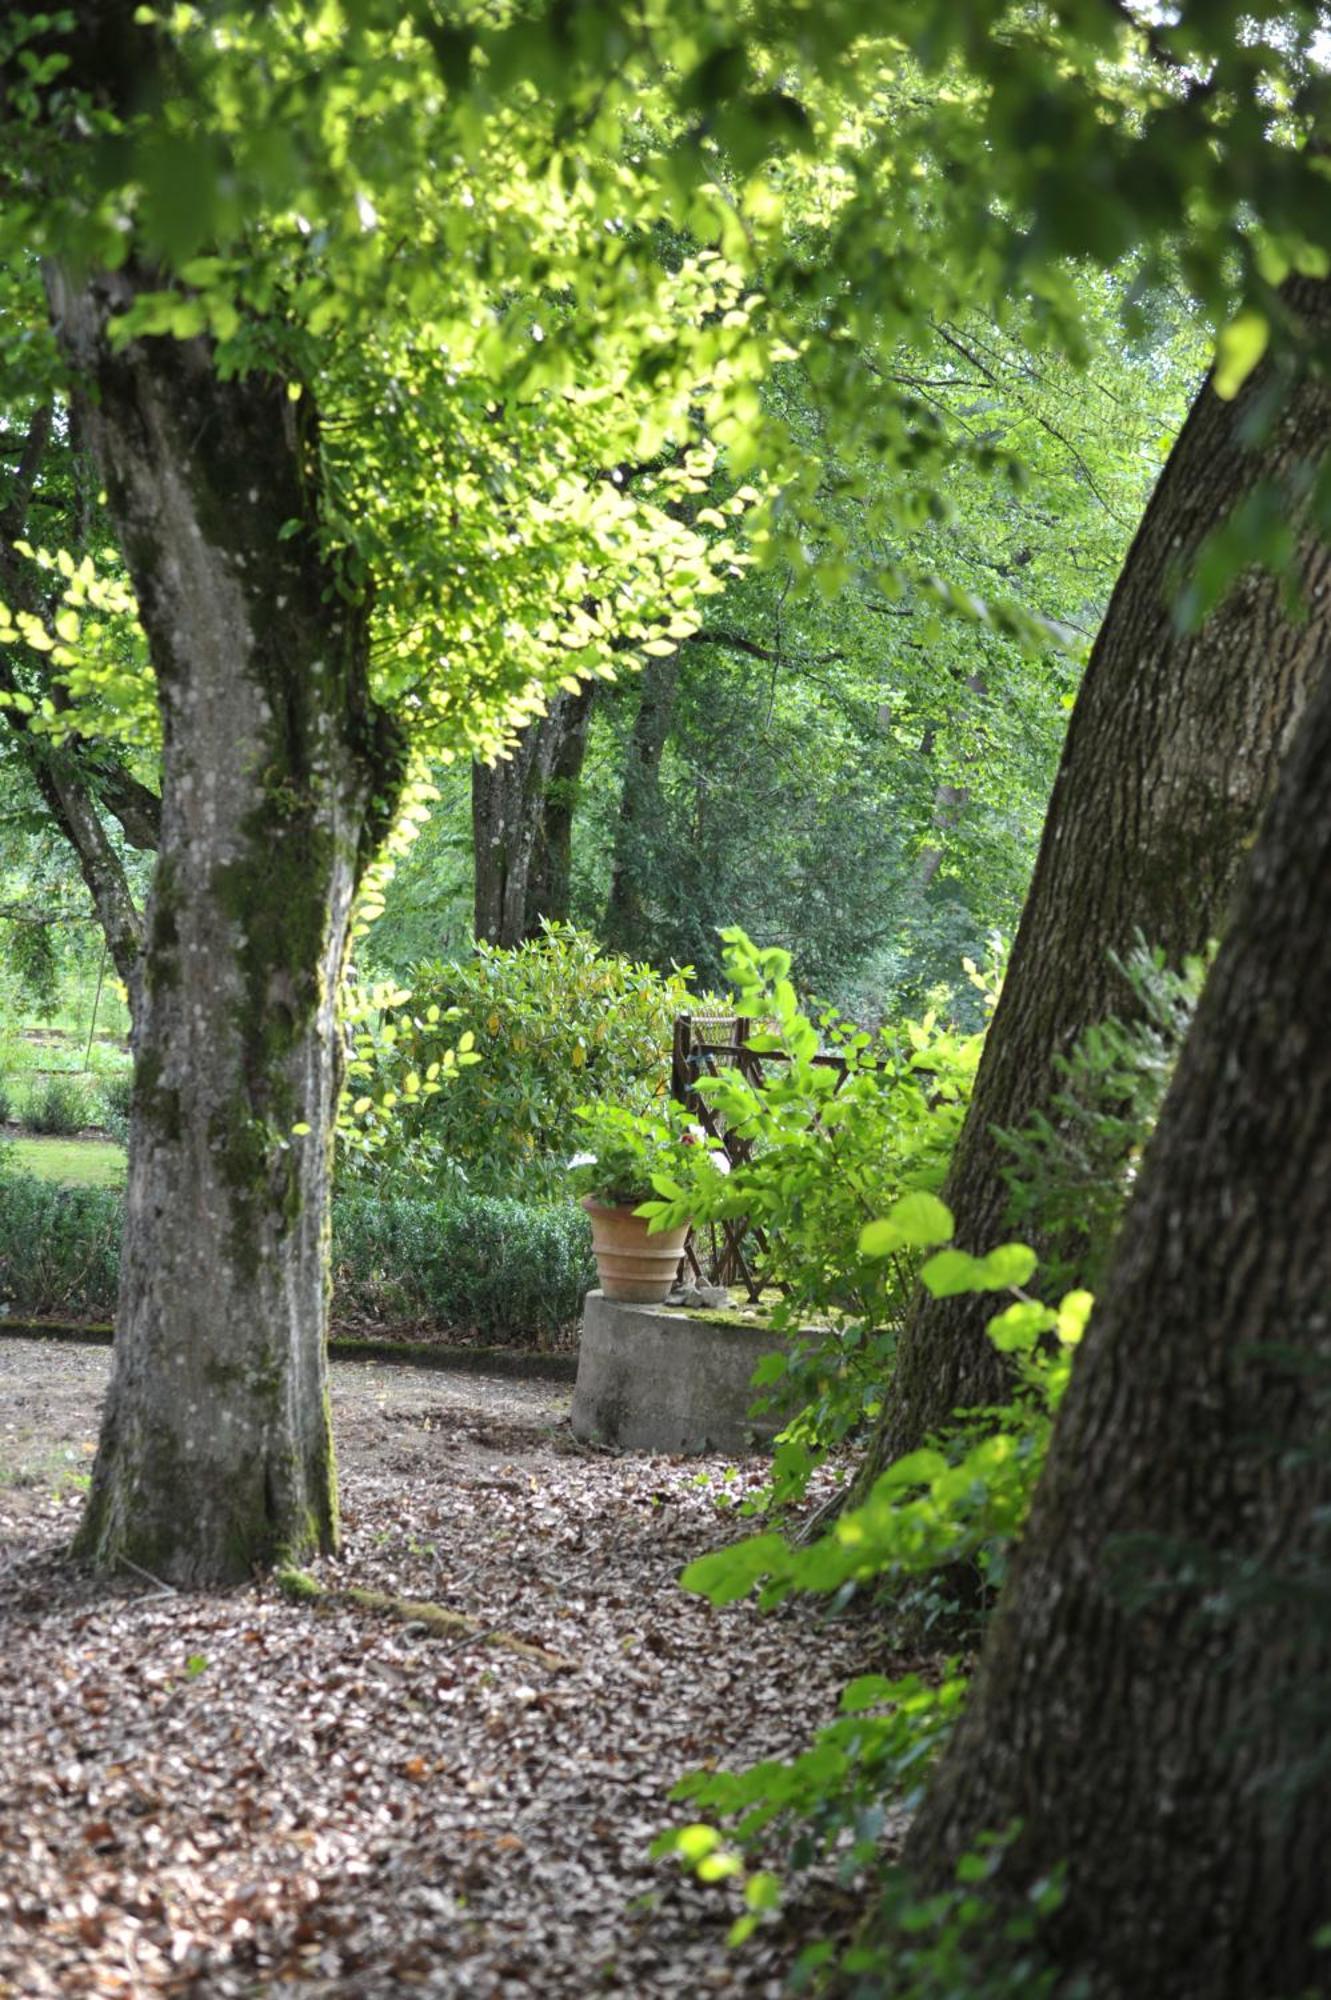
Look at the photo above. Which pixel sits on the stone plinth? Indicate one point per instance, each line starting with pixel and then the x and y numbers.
pixel 654 1378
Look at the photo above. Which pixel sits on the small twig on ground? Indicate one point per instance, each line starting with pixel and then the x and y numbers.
pixel 301 1587
pixel 822 1517
pixel 166 1589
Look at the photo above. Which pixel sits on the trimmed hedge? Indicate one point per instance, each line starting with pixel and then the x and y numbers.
pixel 483 1263
pixel 59 1248
pixel 497 1269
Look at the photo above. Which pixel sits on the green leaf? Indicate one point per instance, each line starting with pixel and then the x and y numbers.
pixel 696 1842
pixel 866 1691
pixel 1238 350
pixel 953 1272
pixel 1016 1330
pixel 763 1891
pixel 916 1468
pixel 717 1867
pixel 729 1574
pixel 916 1222
pixel 1074 1311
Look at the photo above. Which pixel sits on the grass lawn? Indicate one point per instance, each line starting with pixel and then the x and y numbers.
pixel 79 1162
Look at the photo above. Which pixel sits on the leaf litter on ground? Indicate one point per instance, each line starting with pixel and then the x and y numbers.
pixel 240 1795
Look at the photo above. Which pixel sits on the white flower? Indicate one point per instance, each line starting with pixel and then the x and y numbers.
pixel 583 1160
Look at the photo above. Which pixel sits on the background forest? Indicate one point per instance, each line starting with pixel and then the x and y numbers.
pixel 858 778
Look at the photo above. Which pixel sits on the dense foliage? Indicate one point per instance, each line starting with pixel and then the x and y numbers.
pixel 535 1030
pixel 933 1539
pixel 826 1130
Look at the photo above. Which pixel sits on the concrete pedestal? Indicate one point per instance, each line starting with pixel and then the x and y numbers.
pixel 654 1378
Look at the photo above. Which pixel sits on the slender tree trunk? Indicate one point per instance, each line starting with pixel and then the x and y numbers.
pixel 1157 1671
pixel 639 802
pixel 550 883
pixel 522 823
pixel 215 1452
pixel 1170 757
pixel 56 769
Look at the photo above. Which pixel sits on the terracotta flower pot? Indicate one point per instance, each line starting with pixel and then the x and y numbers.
pixel 634 1267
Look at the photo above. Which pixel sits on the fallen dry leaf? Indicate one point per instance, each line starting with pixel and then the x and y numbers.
pixel 344 1807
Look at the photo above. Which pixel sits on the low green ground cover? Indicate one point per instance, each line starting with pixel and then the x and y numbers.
pixel 72 1162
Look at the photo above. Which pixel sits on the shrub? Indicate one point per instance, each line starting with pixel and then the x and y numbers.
pixel 59 1105
pixel 117 1092
pixel 537 1031
pixel 494 1266
pixel 505 1271
pixel 1072 1168
pixel 961 1500
pixel 823 1152
pixel 6 1101
pixel 59 1247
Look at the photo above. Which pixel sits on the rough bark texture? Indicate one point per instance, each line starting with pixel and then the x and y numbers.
pixel 215 1452
pixel 522 823
pixel 1150 1744
pixel 625 913
pixel 1170 757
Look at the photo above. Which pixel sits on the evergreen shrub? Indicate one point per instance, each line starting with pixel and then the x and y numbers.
pixel 59 1105
pixel 510 1271
pixel 117 1090
pixel 59 1247
pixel 506 1272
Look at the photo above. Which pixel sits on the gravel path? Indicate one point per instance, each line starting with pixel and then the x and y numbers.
pixel 238 1796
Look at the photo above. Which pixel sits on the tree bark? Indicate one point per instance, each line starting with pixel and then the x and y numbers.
pixel 1156 1673
pixel 522 823
pixel 215 1453
pixel 625 922
pixel 1170 757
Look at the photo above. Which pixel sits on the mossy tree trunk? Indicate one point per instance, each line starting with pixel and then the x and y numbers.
pixel 1152 1700
pixel 1170 757
pixel 278 772
pixel 522 823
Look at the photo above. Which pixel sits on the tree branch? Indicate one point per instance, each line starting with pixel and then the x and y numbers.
pixel 55 767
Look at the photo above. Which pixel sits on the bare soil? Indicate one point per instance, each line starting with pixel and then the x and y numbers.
pixel 238 1795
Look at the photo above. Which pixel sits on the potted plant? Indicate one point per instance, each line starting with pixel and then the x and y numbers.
pixel 626 1152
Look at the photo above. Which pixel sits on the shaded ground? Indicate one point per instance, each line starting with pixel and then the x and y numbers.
pixel 240 1796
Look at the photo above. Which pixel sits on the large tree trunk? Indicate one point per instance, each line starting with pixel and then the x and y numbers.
pixel 1157 1671
pixel 215 1452
pixel 522 823
pixel 625 922
pixel 1170 757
